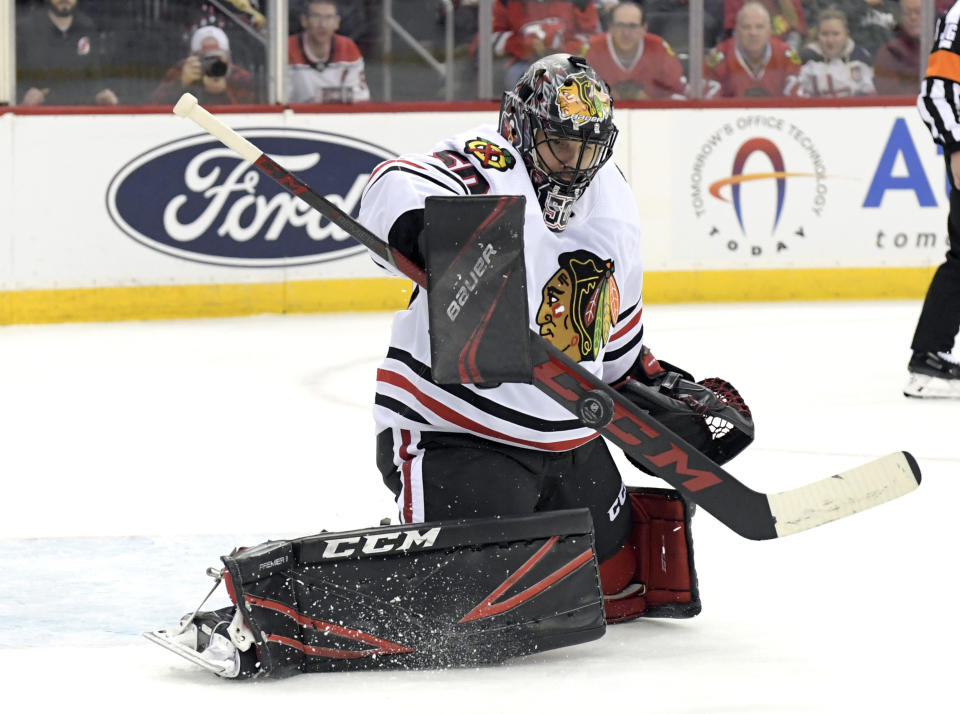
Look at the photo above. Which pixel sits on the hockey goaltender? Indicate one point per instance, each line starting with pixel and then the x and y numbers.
pixel 517 533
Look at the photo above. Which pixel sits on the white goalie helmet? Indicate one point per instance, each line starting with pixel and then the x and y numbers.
pixel 559 117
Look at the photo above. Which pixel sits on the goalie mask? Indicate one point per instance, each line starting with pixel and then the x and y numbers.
pixel 559 117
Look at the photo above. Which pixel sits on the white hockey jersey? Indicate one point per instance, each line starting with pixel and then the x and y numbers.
pixel 601 244
pixel 849 75
pixel 340 77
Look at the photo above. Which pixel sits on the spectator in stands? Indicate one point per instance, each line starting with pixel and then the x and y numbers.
pixel 787 19
pixel 525 30
pixel 752 63
pixel 635 63
pixel 896 69
pixel 870 22
pixel 59 57
pixel 833 64
pixel 324 66
pixel 208 73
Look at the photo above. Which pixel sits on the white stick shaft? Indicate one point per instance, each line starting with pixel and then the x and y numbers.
pixel 189 108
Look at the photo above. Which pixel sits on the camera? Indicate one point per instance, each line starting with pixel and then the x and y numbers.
pixel 213 65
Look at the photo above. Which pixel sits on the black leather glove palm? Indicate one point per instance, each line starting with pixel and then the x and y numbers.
pixel 710 414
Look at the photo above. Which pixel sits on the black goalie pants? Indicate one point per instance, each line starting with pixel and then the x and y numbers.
pixel 439 476
pixel 940 318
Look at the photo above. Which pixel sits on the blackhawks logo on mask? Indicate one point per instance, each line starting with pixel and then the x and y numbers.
pixel 580 99
pixel 489 154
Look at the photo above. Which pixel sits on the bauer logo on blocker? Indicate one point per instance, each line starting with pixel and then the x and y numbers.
pixel 198 200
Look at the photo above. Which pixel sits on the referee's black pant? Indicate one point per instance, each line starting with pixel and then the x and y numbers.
pixel 940 317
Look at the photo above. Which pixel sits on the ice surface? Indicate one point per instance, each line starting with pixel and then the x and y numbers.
pixel 135 454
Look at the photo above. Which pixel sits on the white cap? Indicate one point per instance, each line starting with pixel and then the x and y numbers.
pixel 205 33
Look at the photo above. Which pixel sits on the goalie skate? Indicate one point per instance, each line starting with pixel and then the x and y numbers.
pixel 933 376
pixel 204 641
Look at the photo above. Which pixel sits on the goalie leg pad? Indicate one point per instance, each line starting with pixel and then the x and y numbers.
pixel 436 594
pixel 665 581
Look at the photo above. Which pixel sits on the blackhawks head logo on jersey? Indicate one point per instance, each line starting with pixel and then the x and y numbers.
pixel 580 302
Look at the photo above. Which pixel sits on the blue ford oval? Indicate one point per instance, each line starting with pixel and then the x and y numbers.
pixel 196 199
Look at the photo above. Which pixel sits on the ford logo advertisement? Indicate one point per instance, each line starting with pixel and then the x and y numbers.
pixel 198 200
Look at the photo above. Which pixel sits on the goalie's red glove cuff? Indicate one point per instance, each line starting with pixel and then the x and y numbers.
pixel 649 364
pixel 651 371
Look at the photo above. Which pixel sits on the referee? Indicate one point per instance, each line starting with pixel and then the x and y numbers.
pixel 934 371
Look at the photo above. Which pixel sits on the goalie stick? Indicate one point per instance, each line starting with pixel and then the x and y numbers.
pixel 751 514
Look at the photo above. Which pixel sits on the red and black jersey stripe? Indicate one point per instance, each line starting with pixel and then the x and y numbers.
pixel 488 406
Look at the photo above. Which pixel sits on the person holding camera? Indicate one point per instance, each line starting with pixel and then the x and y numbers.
pixel 207 73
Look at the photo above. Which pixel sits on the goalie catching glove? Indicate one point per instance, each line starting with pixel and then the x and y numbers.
pixel 709 414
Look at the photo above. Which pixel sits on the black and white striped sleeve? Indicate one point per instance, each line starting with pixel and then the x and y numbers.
pixel 939 99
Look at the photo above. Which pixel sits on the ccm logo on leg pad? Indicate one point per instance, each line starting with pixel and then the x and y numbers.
pixel 378 543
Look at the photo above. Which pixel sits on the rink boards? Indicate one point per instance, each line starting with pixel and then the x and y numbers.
pixel 130 216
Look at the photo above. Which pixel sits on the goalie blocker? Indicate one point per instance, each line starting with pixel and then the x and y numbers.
pixel 436 594
pixel 476 280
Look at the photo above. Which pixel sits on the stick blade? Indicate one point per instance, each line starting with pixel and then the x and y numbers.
pixel 846 493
